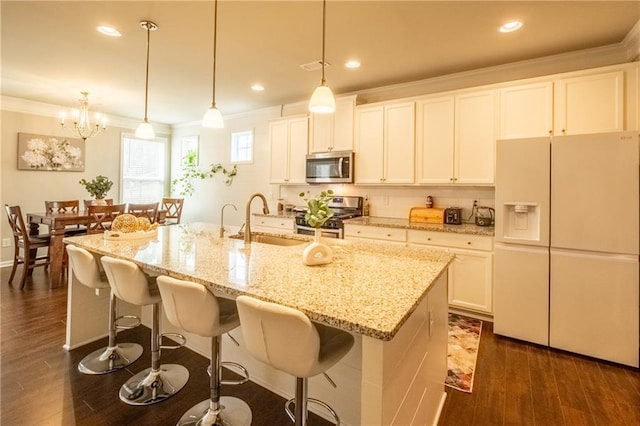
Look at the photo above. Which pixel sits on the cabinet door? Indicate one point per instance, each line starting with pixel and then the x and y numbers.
pixel 470 280
pixel 399 143
pixel 589 104
pixel 474 152
pixel 434 145
pixel 279 155
pixel 333 132
pixel 298 140
pixel 526 111
pixel 369 145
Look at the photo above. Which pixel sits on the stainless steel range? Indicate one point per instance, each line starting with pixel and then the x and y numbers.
pixel 343 208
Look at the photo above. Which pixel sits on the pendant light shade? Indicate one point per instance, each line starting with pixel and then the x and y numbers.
pixel 213 117
pixel 322 100
pixel 144 130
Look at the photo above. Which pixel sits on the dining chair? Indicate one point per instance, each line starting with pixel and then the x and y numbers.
pixel 88 203
pixel 173 209
pixel 102 217
pixel 70 206
pixel 148 210
pixel 29 244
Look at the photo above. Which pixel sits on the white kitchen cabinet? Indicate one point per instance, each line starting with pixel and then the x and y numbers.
pixel 377 233
pixel 589 104
pixel 288 139
pixel 384 146
pixel 526 111
pixel 456 138
pixel 333 132
pixel 272 224
pixel 471 273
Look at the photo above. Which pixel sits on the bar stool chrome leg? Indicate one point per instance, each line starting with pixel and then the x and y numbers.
pixel 217 410
pixel 159 382
pixel 116 355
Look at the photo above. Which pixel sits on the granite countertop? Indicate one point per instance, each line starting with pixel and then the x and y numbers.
pixel 368 289
pixel 388 222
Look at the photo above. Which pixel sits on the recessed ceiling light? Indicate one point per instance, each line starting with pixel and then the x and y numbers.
pixel 352 64
pixel 108 31
pixel 510 27
pixel 257 87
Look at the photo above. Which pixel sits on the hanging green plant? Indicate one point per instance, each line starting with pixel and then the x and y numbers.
pixel 190 171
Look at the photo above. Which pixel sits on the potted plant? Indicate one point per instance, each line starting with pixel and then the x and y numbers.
pixel 318 212
pixel 97 187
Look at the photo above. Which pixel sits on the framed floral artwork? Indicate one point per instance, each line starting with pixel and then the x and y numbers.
pixel 52 153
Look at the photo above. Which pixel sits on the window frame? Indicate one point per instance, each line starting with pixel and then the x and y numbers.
pixel 233 149
pixel 164 172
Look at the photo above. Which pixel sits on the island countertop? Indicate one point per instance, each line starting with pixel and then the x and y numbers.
pixel 368 289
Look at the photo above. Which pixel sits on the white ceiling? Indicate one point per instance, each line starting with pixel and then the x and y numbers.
pixel 51 51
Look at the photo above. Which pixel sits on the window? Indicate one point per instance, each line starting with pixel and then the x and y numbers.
pixel 242 147
pixel 143 169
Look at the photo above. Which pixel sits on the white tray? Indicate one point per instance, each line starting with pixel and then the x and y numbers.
pixel 117 235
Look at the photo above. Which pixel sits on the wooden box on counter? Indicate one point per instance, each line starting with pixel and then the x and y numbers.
pixel 426 215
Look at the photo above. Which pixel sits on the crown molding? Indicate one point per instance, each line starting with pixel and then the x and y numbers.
pixel 24 106
pixel 631 43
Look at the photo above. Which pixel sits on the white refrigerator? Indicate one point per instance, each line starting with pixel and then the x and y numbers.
pixel 566 270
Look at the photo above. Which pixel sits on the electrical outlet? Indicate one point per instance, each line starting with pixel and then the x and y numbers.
pixel 6 242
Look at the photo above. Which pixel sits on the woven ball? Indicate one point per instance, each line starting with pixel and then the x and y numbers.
pixel 125 223
pixel 144 224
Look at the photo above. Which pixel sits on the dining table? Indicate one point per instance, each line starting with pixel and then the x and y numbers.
pixel 58 223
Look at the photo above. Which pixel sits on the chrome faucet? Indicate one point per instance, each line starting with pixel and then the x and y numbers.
pixel 222 217
pixel 247 220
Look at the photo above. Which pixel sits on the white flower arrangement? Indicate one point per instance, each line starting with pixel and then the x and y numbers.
pixel 52 154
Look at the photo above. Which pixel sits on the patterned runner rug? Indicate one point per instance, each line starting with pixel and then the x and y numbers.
pixel 464 340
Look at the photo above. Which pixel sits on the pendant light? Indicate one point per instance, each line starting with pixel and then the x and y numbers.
pixel 322 100
pixel 213 117
pixel 144 130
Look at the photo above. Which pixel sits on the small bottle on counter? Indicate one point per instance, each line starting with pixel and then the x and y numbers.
pixel 365 207
pixel 429 202
pixel 280 205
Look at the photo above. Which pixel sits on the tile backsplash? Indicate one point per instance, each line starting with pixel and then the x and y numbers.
pixel 397 201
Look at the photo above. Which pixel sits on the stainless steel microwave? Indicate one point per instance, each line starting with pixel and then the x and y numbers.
pixel 330 167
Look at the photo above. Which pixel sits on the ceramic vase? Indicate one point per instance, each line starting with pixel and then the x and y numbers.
pixel 99 202
pixel 317 253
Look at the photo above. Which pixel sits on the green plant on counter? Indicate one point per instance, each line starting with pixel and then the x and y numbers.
pixel 318 211
pixel 190 171
pixel 97 187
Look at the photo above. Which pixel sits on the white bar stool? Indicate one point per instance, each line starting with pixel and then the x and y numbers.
pixel 116 355
pixel 192 307
pixel 286 339
pixel 159 382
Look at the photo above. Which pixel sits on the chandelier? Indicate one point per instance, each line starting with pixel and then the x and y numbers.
pixel 82 121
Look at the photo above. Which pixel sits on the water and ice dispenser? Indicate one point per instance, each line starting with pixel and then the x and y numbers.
pixel 521 221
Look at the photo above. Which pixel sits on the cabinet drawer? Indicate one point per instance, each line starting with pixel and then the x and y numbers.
pixel 448 239
pixel 375 232
pixel 273 222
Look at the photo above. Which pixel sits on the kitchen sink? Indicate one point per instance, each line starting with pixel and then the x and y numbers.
pixel 270 239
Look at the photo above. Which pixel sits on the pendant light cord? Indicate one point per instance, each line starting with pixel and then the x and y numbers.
pixel 215 42
pixel 324 17
pixel 146 87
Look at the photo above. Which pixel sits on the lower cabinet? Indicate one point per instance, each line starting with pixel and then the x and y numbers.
pixel 471 274
pixel 376 233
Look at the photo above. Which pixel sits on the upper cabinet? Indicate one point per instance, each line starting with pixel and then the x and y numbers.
pixel 333 132
pixel 384 145
pixel 526 111
pixel 288 139
pixel 589 104
pixel 456 138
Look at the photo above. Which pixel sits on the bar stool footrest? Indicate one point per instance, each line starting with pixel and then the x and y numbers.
pixel 313 401
pixel 236 368
pixel 128 327
pixel 181 340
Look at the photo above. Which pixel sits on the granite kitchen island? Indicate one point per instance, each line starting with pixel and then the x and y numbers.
pixel 392 299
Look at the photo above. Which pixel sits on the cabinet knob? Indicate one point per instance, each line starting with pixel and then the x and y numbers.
pixel 357 232
pixel 564 131
pixel 429 239
pixel 468 242
pixel 550 132
pixel 450 179
pixel 388 235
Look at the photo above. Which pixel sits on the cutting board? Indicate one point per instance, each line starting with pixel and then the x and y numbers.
pixel 426 215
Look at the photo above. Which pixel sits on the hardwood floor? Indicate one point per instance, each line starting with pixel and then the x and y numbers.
pixel 515 383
